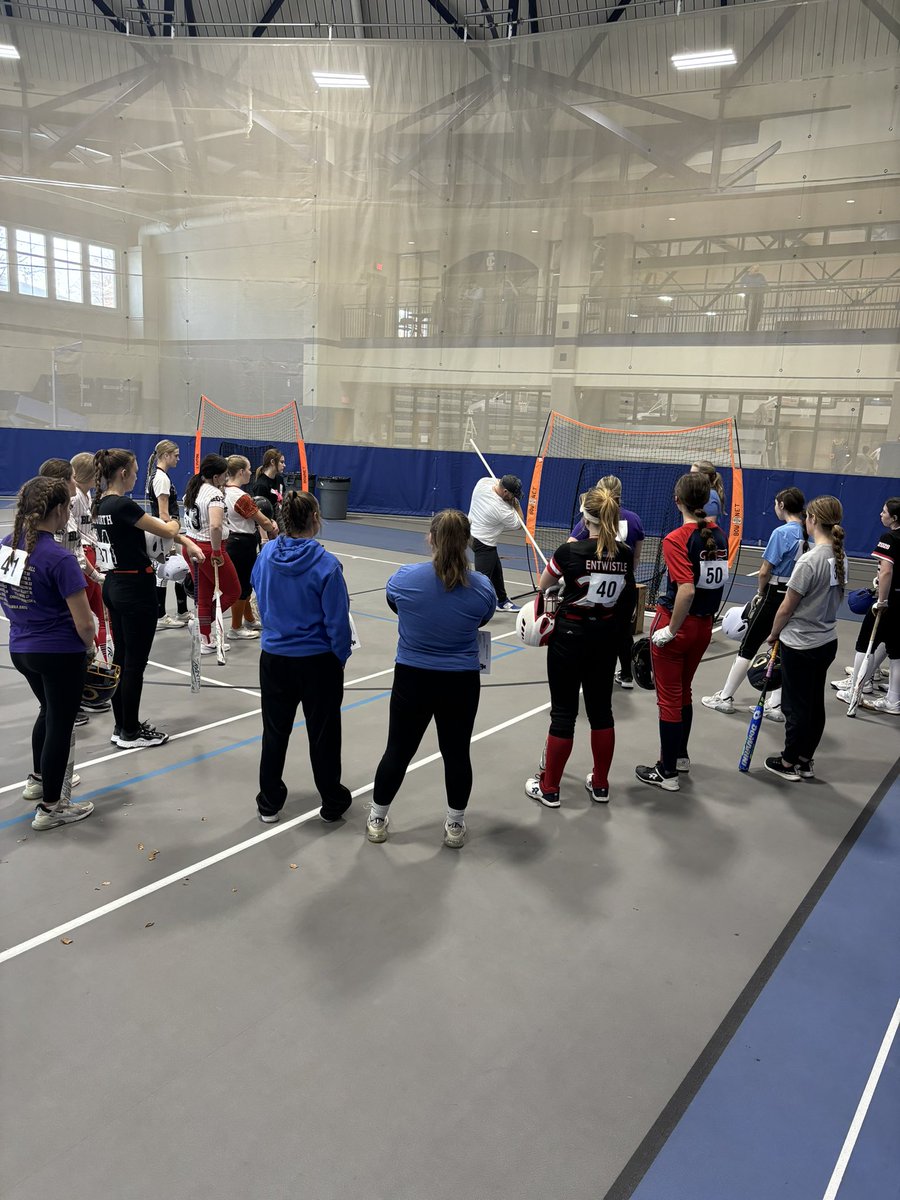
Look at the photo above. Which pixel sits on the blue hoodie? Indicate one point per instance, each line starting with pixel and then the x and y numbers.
pixel 302 599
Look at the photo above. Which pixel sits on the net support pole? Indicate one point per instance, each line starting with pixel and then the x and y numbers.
pixel 525 528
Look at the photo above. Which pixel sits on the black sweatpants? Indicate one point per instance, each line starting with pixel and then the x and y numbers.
pixel 242 550
pixel 57 681
pixel 181 603
pixel 418 694
pixel 763 619
pixel 317 684
pixel 582 657
pixel 804 675
pixel 487 561
pixel 133 613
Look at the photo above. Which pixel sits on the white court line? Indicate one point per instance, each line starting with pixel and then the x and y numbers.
pixel 253 712
pixel 863 1107
pixel 388 562
pixel 95 914
pixel 233 687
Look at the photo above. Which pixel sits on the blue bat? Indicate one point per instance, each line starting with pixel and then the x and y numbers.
pixel 756 719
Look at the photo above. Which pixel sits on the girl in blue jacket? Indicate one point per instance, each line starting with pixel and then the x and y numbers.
pixel 305 611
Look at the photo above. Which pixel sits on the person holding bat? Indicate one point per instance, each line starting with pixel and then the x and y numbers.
pixel 887 603
pixel 805 627
pixel 129 587
pixel 696 558
pixel 204 516
pixel 51 630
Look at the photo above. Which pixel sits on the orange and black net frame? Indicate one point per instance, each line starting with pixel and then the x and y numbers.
pixel 736 518
pixel 288 409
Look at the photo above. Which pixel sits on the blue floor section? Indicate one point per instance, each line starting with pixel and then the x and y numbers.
pixel 771 1117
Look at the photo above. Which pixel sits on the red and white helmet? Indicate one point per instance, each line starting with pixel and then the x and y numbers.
pixel 533 625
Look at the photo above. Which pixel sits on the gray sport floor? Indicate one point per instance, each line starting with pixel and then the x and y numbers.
pixel 313 1016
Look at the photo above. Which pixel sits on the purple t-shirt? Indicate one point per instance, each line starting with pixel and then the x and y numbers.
pixel 634 534
pixel 39 617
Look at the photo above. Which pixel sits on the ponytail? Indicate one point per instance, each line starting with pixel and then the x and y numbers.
pixel 450 534
pixel 692 491
pixel 106 464
pixel 600 509
pixel 716 484
pixel 827 512
pixel 212 465
pixel 166 446
pixel 271 457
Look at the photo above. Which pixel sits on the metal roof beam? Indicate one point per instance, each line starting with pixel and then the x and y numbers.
pixel 145 17
pixel 39 111
pixel 190 18
pixel 618 12
pixel 448 18
pixel 476 101
pixel 891 24
pixel 592 114
pixel 745 170
pixel 266 19
pixel 118 23
pixel 492 24
pixel 168 17
pixel 512 17
pixel 774 31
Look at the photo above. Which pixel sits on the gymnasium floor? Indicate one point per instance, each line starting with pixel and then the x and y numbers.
pixel 680 997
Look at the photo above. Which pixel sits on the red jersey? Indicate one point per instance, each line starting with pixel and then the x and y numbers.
pixel 688 561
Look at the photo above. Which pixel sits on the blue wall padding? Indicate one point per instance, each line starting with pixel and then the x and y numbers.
pixel 419 482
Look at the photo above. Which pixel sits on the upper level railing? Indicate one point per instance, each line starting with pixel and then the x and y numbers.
pixel 466 317
pixel 874 305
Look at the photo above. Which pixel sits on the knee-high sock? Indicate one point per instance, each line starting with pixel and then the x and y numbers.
pixel 893 695
pixel 736 676
pixel 687 720
pixel 558 751
pixel 670 738
pixel 603 743
pixel 773 699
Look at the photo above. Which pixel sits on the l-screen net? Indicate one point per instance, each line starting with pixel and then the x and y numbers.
pixel 574 456
pixel 220 431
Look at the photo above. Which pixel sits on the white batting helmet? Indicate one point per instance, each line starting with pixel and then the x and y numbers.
pixel 734 624
pixel 533 625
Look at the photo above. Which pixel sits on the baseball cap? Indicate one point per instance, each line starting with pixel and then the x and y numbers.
pixel 512 484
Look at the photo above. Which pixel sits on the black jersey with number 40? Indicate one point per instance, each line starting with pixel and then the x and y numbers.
pixel 594 587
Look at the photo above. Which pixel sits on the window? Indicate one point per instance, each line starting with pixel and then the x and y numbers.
pixel 102 264
pixel 31 262
pixel 4 261
pixel 67 276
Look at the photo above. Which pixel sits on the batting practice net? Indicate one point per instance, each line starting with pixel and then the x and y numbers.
pixel 220 431
pixel 574 456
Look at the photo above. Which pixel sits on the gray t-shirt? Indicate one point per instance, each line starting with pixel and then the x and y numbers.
pixel 813 620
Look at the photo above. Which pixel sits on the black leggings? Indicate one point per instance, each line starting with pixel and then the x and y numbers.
pixel 760 626
pixel 57 681
pixel 242 550
pixel 451 697
pixel 804 674
pixel 180 600
pixel 131 601
pixel 581 658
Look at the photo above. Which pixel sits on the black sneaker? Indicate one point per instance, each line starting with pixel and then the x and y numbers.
pixel 333 812
pixel 96 706
pixel 656 777
pixel 81 718
pixel 806 770
pixel 115 735
pixel 624 681
pixel 600 795
pixel 143 738
pixel 775 764
pixel 268 818
pixel 535 791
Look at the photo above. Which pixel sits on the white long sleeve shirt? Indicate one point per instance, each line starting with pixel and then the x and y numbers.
pixel 489 515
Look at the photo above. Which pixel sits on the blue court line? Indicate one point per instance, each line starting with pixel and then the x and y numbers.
pixel 189 762
pixel 771 1117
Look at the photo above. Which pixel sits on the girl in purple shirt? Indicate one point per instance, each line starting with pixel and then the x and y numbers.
pixel 51 629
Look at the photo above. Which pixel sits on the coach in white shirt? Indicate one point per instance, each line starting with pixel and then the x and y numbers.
pixel 492 512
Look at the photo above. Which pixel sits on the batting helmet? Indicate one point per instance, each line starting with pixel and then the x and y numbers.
pixel 642 664
pixel 533 625
pixel 756 676
pixel 861 601
pixel 100 683
pixel 734 624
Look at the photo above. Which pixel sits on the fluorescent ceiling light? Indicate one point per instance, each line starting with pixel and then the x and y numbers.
pixel 710 314
pixel 703 58
pixel 8 52
pixel 339 79
pixel 850 201
pixel 665 299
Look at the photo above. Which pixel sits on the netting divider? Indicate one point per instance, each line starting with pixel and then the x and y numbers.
pixel 280 427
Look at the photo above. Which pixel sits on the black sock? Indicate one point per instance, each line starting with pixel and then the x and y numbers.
pixel 670 736
pixel 687 720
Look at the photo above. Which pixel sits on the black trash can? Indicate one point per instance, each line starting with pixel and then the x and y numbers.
pixel 333 493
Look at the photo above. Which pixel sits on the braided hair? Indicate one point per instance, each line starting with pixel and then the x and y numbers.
pixel 35 501
pixel 692 491
pixel 827 512
pixel 106 463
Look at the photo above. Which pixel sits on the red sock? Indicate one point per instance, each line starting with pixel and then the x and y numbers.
pixel 558 751
pixel 603 743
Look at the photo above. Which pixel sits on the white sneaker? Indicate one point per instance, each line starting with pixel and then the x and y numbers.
pixel 882 705
pixel 772 713
pixel 257 625
pixel 244 632
pixel 65 814
pixel 454 834
pixel 208 646
pixel 842 685
pixel 376 828
pixel 34 787
pixel 718 702
pixel 167 622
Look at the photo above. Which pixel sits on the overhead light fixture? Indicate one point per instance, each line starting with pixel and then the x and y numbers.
pixel 710 314
pixel 9 52
pixel 665 299
pixel 535 231
pixel 410 243
pixel 671 218
pixel 339 79
pixel 635 315
pixel 703 58
pixel 850 201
